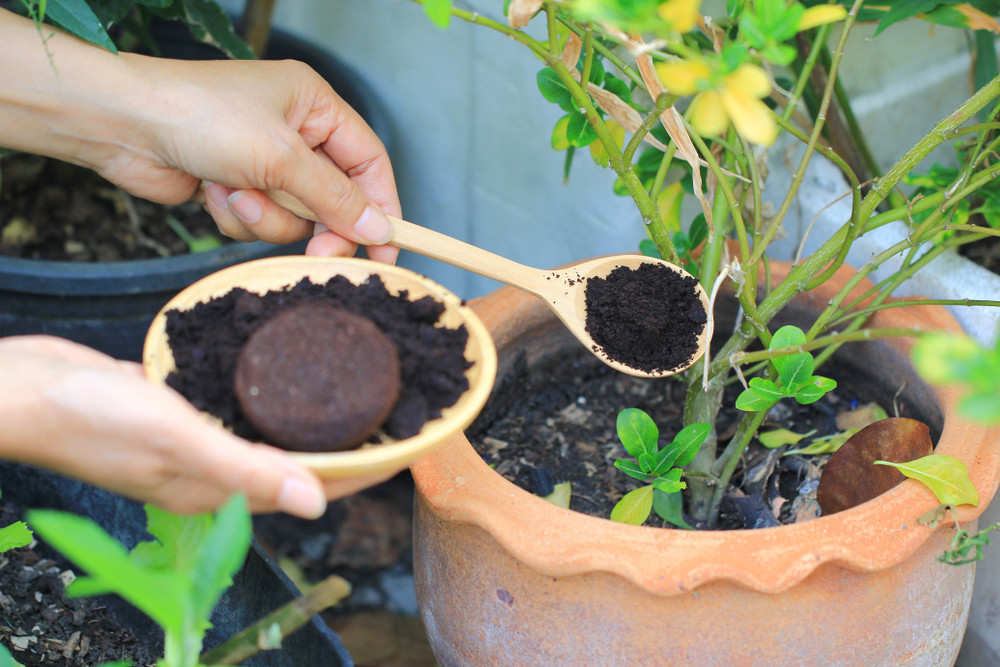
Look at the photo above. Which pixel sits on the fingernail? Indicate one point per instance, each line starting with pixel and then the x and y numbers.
pixel 217 195
pixel 248 210
pixel 301 499
pixel 373 226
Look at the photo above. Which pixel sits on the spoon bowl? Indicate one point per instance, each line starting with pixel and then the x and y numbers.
pixel 277 273
pixel 564 290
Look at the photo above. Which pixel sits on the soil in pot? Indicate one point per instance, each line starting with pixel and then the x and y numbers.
pixel 53 210
pixel 42 626
pixel 207 340
pixel 557 424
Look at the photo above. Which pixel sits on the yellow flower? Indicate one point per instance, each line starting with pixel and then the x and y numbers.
pixel 736 98
pixel 821 15
pixel 681 14
pixel 683 77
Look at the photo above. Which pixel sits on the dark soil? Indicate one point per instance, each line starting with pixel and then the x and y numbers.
pixel 558 425
pixel 53 629
pixel 57 211
pixel 648 318
pixel 206 342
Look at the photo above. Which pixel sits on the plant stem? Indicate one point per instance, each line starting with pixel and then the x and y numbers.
pixel 288 618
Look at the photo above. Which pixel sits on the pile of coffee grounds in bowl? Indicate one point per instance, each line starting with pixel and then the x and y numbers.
pixel 207 340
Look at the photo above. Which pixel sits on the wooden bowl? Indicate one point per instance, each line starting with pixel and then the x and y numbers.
pixel 276 273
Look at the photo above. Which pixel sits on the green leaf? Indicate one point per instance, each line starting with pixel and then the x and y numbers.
pixel 781 437
pixel 634 507
pixel 945 359
pixel 552 89
pixel 786 336
pixel 795 371
pixel 814 389
pixel 670 482
pixel 77 18
pixel 761 395
pixel 14 536
pixel 632 469
pixel 638 432
pixel 158 594
pixel 559 140
pixel 6 659
pixel 561 494
pixel 648 248
pixel 904 10
pixel 946 477
pixel 221 554
pixel 828 444
pixel 648 462
pixel 579 131
pixel 689 440
pixel 670 508
pixel 698 231
pixel 438 11
pixel 208 23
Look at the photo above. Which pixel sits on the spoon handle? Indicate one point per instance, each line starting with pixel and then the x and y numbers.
pixel 442 247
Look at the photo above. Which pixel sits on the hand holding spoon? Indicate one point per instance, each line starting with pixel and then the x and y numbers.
pixel 564 290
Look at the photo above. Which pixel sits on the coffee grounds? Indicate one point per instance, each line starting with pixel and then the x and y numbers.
pixel 207 339
pixel 648 318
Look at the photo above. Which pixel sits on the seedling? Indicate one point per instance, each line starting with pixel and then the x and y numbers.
pixel 795 377
pixel 660 468
pixel 177 578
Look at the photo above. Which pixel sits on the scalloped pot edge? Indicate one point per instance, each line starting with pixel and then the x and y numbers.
pixel 458 486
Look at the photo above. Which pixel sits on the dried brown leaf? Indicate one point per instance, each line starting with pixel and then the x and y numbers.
pixel 571 52
pixel 519 12
pixel 851 477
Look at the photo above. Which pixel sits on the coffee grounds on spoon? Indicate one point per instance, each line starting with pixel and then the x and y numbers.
pixel 649 318
pixel 206 341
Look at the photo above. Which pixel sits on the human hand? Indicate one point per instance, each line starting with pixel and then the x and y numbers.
pixel 160 127
pixel 244 126
pixel 76 411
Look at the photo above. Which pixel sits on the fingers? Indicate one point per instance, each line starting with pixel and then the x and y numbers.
pixel 249 215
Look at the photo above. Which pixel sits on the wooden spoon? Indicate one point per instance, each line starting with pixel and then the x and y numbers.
pixel 564 290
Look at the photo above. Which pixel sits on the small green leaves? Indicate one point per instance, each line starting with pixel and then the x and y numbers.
pixel 661 469
pixel 795 376
pixel 14 536
pixel 176 579
pixel 967 547
pixel 946 477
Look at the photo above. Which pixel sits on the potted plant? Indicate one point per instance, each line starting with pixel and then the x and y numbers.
pixel 109 305
pixel 505 576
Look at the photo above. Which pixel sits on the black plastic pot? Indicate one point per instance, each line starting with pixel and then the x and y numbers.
pixel 109 306
pixel 259 588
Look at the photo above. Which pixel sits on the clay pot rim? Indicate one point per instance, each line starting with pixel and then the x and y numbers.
pixel 558 542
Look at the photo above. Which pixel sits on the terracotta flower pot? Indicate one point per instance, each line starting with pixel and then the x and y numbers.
pixel 505 578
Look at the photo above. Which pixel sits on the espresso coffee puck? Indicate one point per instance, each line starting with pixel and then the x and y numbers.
pixel 317 378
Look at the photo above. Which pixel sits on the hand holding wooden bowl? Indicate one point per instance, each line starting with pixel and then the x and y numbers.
pixel 274 274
